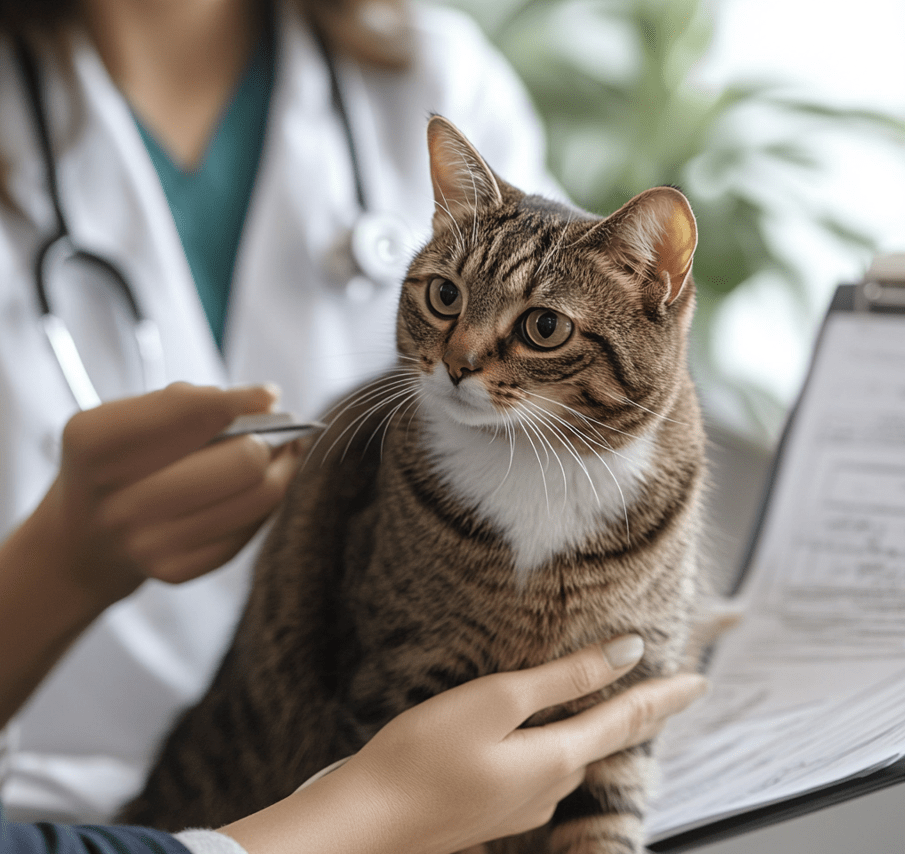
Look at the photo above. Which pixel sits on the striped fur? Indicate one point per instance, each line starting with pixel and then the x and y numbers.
pixel 486 506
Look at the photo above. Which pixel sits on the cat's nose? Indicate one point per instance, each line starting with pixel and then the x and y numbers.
pixel 460 364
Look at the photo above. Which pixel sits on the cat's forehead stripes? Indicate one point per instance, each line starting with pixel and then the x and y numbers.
pixel 516 249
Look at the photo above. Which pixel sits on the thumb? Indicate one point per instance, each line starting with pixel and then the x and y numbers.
pixel 568 678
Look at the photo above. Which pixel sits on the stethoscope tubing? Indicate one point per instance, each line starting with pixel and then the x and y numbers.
pixel 60 247
pixel 339 107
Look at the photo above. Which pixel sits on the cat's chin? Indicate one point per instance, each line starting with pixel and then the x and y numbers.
pixel 469 413
pixel 468 417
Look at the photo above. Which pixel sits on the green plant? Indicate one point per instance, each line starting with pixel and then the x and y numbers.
pixel 615 84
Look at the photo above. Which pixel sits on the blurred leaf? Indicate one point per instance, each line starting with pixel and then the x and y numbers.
pixel 792 153
pixel 846 233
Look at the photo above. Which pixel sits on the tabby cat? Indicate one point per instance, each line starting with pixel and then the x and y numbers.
pixel 526 481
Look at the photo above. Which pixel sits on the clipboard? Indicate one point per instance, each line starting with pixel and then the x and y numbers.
pixel 880 295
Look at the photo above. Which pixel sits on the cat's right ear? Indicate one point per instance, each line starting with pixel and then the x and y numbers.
pixel 462 181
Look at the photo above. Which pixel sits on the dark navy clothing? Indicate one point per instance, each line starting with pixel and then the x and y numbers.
pixel 48 838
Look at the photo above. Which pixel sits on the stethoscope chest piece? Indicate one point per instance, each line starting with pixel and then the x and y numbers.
pixel 379 246
pixel 372 254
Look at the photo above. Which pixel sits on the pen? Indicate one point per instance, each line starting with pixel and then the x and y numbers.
pixel 275 428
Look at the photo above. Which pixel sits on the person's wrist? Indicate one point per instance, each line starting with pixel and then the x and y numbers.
pixel 348 810
pixel 77 575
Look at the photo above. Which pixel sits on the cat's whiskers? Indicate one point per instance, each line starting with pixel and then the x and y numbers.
pixel 376 389
pixel 387 420
pixel 405 356
pixel 624 399
pixel 565 480
pixel 406 393
pixel 591 424
pixel 542 414
pixel 421 397
pixel 543 476
pixel 599 456
pixel 586 440
pixel 586 418
pixel 548 444
pixel 510 435
pixel 403 384
pixel 359 395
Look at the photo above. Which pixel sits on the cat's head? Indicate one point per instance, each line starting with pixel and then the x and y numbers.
pixel 520 309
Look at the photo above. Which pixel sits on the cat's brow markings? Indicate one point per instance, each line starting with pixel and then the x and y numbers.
pixel 513 263
pixel 555 248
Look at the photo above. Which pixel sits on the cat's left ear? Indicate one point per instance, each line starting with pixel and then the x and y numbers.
pixel 462 181
pixel 656 234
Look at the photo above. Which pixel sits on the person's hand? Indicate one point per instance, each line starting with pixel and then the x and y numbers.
pixel 457 770
pixel 141 494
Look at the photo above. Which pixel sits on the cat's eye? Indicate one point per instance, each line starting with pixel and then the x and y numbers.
pixel 545 328
pixel 444 298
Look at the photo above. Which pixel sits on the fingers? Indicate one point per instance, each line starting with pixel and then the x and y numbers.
pixel 125 440
pixel 630 718
pixel 186 564
pixel 207 477
pixel 190 541
pixel 567 678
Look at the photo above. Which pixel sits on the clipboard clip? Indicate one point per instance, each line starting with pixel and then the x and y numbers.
pixel 883 286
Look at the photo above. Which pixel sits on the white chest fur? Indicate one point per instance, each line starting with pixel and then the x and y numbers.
pixel 542 503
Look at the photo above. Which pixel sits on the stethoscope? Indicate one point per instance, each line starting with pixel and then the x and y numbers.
pixel 369 256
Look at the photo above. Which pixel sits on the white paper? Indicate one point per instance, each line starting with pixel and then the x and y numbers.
pixel 810 688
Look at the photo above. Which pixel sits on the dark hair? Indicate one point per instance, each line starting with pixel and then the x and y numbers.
pixel 375 32
pixel 36 17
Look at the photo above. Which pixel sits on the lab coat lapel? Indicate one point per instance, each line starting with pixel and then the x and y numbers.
pixel 117 208
pixel 288 321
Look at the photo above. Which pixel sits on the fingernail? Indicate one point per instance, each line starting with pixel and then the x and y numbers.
pixel 623 651
pixel 702 686
pixel 274 390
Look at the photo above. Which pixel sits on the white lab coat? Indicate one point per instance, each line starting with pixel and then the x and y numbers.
pixel 86 738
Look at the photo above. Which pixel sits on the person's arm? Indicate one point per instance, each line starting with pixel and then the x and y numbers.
pixel 457 770
pixel 140 494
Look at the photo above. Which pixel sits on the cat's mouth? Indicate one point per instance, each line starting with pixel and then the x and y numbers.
pixel 467 403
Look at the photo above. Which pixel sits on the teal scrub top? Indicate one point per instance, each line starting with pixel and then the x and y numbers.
pixel 209 203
